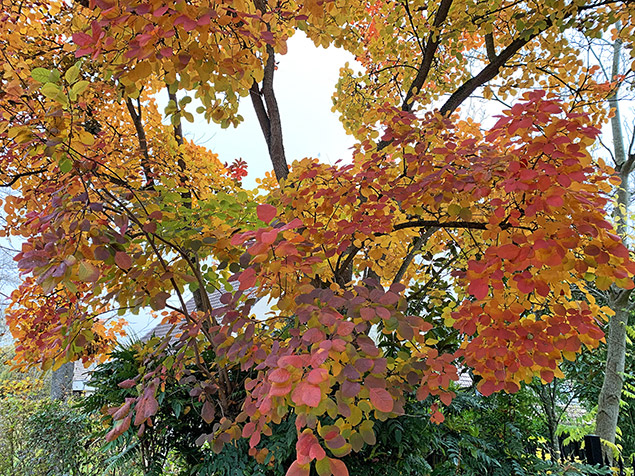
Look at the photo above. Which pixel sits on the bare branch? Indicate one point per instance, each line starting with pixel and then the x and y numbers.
pixel 141 137
pixel 489 47
pixel 428 55
pixel 417 243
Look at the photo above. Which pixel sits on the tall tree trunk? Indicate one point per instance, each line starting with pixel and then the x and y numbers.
pixel 62 381
pixel 546 393
pixel 610 395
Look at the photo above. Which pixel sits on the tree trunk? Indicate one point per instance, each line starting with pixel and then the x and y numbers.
pixel 62 381
pixel 610 395
pixel 547 400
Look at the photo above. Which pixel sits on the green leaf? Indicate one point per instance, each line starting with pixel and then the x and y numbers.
pixel 41 75
pixel 454 209
pixel 71 74
pixel 80 87
pixel 65 165
pixel 51 90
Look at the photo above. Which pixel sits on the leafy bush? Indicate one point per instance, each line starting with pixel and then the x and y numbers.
pixel 170 441
pixel 500 435
pixel 46 438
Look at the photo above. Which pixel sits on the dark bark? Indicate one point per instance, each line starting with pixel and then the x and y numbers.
pixel 428 54
pixel 268 112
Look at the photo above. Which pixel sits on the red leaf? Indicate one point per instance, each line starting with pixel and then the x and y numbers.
pixel 525 286
pixel 119 429
pixel 437 417
pixel 298 470
pixel 446 398
pixel 310 395
pixel 146 407
pixel 82 39
pixel 279 376
pixel 367 313
pixel 280 390
pixel 295 223
pixel 344 328
pixel 478 288
pixel 555 201
pixel 317 376
pixel 509 251
pixel 208 412
pixel 487 388
pixel 266 212
pixel 268 237
pixel 123 260
pixel 316 452
pixel 338 468
pixel 127 383
pixel 247 279
pixel 381 399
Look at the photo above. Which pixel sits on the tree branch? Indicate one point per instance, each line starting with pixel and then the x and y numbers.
pixel 468 225
pixel 417 243
pixel 489 47
pixel 269 119
pixel 428 55
pixel 143 141
pixel 491 70
pixel 261 112
pixel 17 177
pixel 276 145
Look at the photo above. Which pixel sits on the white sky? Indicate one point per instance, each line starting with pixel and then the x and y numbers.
pixel 304 83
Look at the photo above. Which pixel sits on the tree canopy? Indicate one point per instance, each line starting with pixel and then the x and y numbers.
pixel 497 229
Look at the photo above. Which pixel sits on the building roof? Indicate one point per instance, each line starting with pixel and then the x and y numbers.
pixel 215 302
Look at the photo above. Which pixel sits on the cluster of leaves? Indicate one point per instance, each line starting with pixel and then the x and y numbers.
pixel 496 435
pixel 180 420
pixel 493 436
pixel 175 427
pixel 498 226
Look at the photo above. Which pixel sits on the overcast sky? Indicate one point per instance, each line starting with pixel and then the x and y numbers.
pixel 304 83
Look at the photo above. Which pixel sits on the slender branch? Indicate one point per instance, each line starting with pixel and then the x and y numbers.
pixel 489 47
pixel 428 55
pixel 491 70
pixel 468 225
pixel 141 137
pixel 17 177
pixel 417 243
pixel 412 25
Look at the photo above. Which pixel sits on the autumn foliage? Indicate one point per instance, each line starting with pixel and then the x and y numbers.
pixel 498 229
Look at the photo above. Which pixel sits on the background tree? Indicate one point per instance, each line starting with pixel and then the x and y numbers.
pixel 619 301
